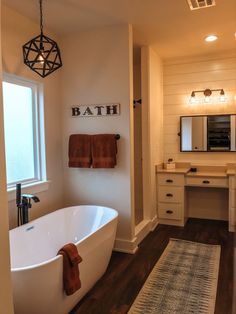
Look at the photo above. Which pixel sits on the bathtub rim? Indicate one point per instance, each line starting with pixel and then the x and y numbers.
pixel 19 269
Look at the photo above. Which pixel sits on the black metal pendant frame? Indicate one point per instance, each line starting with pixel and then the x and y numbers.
pixel 41 54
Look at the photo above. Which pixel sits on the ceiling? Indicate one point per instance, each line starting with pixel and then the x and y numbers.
pixel 168 25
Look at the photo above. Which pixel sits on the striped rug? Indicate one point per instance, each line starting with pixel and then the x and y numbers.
pixel 183 281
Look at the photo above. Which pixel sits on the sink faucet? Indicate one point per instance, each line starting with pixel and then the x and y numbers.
pixel 23 202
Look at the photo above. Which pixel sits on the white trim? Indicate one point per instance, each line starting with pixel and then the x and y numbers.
pixel 154 223
pixel 141 231
pixel 41 135
pixel 141 225
pixel 33 188
pixel 126 246
pixel 19 79
pixel 38 129
pixel 144 228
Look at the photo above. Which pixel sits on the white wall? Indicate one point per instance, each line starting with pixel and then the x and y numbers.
pixel 6 302
pixel 181 77
pixel 152 94
pixel 156 119
pixel 96 70
pixel 17 30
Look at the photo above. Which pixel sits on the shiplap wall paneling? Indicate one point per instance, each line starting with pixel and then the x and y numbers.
pixel 181 77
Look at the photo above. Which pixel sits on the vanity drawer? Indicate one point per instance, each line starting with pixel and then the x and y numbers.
pixel 170 194
pixel 170 179
pixel 206 181
pixel 170 211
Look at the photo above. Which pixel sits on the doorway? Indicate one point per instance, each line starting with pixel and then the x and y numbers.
pixel 138 147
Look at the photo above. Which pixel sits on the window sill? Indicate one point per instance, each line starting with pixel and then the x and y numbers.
pixel 32 188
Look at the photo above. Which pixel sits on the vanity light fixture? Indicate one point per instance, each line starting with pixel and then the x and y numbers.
pixel 41 53
pixel 207 93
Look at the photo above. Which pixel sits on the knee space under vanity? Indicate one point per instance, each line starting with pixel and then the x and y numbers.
pixel 207 203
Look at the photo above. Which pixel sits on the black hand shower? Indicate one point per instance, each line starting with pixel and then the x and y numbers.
pixel 18 203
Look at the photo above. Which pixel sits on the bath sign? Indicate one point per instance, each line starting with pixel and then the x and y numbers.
pixel 98 110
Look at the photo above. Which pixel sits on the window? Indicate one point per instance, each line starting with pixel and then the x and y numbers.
pixel 24 131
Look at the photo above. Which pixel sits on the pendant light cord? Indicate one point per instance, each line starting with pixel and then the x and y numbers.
pixel 41 16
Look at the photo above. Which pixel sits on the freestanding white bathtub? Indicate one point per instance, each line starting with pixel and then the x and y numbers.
pixel 36 268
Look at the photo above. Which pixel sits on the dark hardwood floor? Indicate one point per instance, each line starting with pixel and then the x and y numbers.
pixel 115 292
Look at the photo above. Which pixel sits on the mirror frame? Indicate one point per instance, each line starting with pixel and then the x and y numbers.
pixel 203 151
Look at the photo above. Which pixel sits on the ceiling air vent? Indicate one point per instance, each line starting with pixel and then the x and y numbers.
pixel 200 4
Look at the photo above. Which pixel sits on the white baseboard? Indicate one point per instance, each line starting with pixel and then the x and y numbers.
pixel 141 231
pixel 154 223
pixel 126 246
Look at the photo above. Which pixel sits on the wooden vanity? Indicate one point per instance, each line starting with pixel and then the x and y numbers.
pixel 172 201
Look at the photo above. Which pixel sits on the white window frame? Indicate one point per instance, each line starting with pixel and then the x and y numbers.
pixel 40 178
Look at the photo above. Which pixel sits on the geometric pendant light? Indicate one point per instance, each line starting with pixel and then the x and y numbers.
pixel 41 53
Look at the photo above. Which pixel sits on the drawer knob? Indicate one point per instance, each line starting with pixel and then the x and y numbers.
pixel 169 211
pixel 169 195
pixel 169 181
pixel 205 181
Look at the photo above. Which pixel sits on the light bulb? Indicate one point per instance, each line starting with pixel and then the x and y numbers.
pixel 211 38
pixel 207 99
pixel 41 58
pixel 193 100
pixel 222 96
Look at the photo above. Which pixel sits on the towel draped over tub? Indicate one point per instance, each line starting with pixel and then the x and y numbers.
pixel 71 259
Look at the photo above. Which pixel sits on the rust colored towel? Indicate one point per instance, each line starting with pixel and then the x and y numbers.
pixel 80 151
pixel 71 259
pixel 104 150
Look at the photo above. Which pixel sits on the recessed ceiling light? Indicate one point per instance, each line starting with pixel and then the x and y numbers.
pixel 211 38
